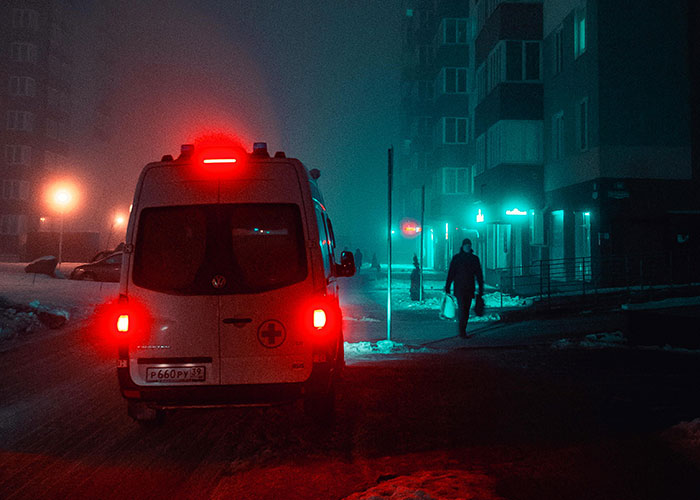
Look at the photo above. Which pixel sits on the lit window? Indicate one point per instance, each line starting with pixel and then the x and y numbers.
pixel 580 31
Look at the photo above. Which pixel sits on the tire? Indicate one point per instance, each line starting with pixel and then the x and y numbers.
pixel 145 416
pixel 88 276
pixel 321 408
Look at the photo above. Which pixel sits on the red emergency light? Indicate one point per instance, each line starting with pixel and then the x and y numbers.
pixel 410 228
pixel 219 160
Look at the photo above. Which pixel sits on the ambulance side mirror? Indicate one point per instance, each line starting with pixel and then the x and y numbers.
pixel 346 268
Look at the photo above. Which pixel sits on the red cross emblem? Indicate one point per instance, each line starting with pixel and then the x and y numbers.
pixel 272 333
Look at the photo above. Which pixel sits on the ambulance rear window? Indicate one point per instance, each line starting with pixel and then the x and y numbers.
pixel 188 249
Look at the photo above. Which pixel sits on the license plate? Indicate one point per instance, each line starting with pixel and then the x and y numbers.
pixel 176 374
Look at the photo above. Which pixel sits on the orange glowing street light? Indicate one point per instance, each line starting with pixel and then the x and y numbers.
pixel 62 196
pixel 116 222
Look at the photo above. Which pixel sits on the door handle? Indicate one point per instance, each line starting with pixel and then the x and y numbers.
pixel 237 321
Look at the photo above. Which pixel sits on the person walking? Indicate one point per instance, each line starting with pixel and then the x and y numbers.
pixel 358 260
pixel 465 268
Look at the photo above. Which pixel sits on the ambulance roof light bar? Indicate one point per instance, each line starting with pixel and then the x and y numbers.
pixel 186 151
pixel 260 149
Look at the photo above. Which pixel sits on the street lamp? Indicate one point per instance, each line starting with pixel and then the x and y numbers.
pixel 62 198
pixel 118 221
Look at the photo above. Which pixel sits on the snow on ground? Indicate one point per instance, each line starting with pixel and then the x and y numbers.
pixel 612 340
pixel 383 347
pixel 593 341
pixel 433 485
pixel 685 438
pixel 24 295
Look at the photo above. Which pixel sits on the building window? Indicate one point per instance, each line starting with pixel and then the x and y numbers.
pixel 23 52
pixel 514 142
pixel 25 18
pixel 522 61
pixel 494 67
pixel 583 245
pixel 12 224
pixel 454 130
pixel 558 136
pixel 558 51
pixel 582 125
pixel 580 31
pixel 20 120
pixel 454 180
pixel 453 32
pixel 556 247
pixel 453 80
pixel 18 155
pixel 15 189
pixel 22 86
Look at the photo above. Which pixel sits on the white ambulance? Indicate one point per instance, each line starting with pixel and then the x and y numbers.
pixel 228 292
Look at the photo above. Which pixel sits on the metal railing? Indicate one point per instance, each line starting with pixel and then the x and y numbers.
pixel 547 279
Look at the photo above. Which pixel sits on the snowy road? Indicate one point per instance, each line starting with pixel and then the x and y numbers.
pixel 524 423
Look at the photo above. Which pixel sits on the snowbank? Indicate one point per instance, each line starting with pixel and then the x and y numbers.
pixel 593 341
pixel 433 485
pixel 685 437
pixel 360 349
pixel 32 302
pixel 491 301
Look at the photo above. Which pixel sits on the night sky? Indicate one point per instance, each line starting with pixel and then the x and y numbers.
pixel 317 79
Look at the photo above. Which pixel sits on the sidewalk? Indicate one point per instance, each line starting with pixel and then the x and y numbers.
pixel 365 319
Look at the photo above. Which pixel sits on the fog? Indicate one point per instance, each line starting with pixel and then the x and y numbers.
pixel 315 79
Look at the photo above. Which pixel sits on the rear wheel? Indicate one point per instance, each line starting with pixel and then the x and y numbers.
pixel 144 415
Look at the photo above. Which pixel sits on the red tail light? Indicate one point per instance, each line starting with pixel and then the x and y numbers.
pixel 320 318
pixel 123 323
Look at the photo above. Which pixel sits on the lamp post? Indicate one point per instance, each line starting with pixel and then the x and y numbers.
pixel 118 221
pixel 62 198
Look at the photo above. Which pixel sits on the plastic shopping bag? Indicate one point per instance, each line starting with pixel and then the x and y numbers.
pixel 448 307
pixel 479 305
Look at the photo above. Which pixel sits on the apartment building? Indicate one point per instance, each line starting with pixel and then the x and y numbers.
pixel 435 125
pixel 508 130
pixel 617 132
pixel 35 85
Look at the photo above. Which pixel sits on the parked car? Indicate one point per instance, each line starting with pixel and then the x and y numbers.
pixel 42 265
pixel 105 269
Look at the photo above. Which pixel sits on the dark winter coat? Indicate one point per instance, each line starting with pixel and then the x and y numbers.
pixel 464 269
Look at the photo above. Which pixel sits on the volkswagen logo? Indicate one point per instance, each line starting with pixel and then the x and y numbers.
pixel 218 281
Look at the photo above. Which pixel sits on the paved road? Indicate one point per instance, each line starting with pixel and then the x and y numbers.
pixel 543 423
